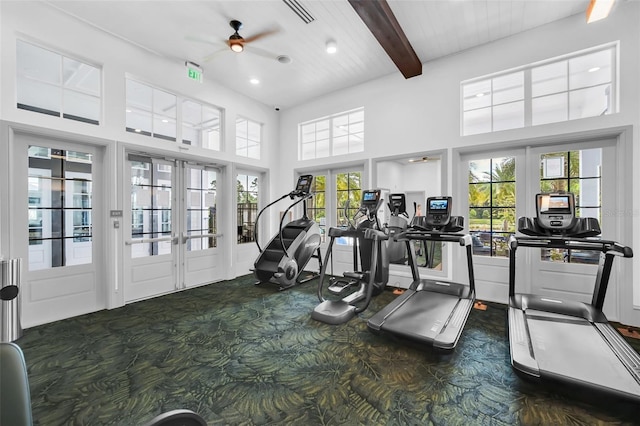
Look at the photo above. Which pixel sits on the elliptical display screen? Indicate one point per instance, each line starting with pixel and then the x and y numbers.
pixel 370 197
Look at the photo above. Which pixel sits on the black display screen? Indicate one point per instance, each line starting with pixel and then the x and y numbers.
pixel 304 183
pixel 438 205
pixel 370 196
pixel 555 204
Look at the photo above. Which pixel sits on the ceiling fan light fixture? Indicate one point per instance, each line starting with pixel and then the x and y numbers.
pixel 235 43
pixel 598 9
pixel 332 47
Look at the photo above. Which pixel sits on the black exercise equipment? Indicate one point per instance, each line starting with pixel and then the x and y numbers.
pixel 285 257
pixel 430 312
pixel 356 287
pixel 566 341
pixel 397 250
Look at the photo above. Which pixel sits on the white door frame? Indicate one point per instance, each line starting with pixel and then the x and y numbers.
pixel 52 294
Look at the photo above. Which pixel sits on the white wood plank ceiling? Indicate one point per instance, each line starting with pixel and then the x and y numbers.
pixel 197 30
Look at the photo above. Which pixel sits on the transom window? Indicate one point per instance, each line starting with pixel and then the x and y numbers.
pixel 579 85
pixel 492 204
pixel 150 111
pixel 337 134
pixel 248 138
pixel 53 84
pixel 201 125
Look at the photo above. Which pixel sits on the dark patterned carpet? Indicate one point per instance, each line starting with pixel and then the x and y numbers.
pixel 241 354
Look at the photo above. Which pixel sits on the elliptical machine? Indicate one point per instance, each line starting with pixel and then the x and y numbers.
pixel 289 251
pixel 397 250
pixel 358 285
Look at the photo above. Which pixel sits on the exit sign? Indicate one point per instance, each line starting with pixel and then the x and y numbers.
pixel 194 74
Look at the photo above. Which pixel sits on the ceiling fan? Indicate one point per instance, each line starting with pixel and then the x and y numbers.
pixel 237 43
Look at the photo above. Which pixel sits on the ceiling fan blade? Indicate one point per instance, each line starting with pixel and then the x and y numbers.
pixel 261 35
pixel 261 52
pixel 202 40
pixel 211 56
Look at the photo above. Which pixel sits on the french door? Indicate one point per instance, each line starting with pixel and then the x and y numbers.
pixel 57 227
pixel 172 242
pixel 588 170
pixel 500 187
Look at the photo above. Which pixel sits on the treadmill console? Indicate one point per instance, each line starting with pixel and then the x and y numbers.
pixel 438 212
pixel 555 212
pixel 303 187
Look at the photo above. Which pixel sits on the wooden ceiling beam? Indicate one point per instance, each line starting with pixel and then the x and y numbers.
pixel 379 18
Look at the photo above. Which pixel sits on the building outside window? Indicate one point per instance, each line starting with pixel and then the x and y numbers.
pixel 60 208
pixel 53 84
pixel 316 206
pixel 337 134
pixel 201 208
pixel 150 111
pixel 492 205
pixel 247 205
pixel 248 138
pixel 579 85
pixel 348 196
pixel 201 125
pixel 578 172
pixel 151 206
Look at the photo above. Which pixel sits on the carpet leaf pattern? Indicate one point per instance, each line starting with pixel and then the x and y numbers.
pixel 240 354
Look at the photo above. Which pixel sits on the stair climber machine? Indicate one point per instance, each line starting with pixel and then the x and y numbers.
pixel 356 288
pixel 566 341
pixel 285 257
pixel 430 312
pixel 396 250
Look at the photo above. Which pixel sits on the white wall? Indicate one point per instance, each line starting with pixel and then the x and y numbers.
pixel 423 113
pixel 48 27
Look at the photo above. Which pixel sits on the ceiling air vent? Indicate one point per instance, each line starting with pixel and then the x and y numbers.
pixel 299 10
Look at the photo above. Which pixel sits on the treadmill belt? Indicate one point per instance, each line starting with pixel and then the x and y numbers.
pixel 422 316
pixel 576 351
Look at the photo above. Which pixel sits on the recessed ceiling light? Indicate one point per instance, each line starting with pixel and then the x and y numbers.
pixel 479 95
pixel 332 47
pixel 137 130
pixel 594 69
pixel 254 81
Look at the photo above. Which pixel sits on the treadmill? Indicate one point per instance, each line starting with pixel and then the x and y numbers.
pixel 566 341
pixel 430 312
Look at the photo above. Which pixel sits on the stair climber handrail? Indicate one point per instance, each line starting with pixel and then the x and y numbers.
pixel 303 198
pixel 255 228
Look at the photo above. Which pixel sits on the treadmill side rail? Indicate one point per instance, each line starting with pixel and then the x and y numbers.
pixel 522 357
pixel 627 356
pixel 450 334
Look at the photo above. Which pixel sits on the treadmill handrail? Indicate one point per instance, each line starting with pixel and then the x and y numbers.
pixel 605 246
pixel 426 235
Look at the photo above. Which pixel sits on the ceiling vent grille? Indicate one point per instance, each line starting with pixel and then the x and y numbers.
pixel 299 10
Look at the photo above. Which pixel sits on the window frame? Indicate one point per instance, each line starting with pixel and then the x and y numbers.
pixel 529 98
pixel 247 140
pixel 63 89
pixel 331 134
